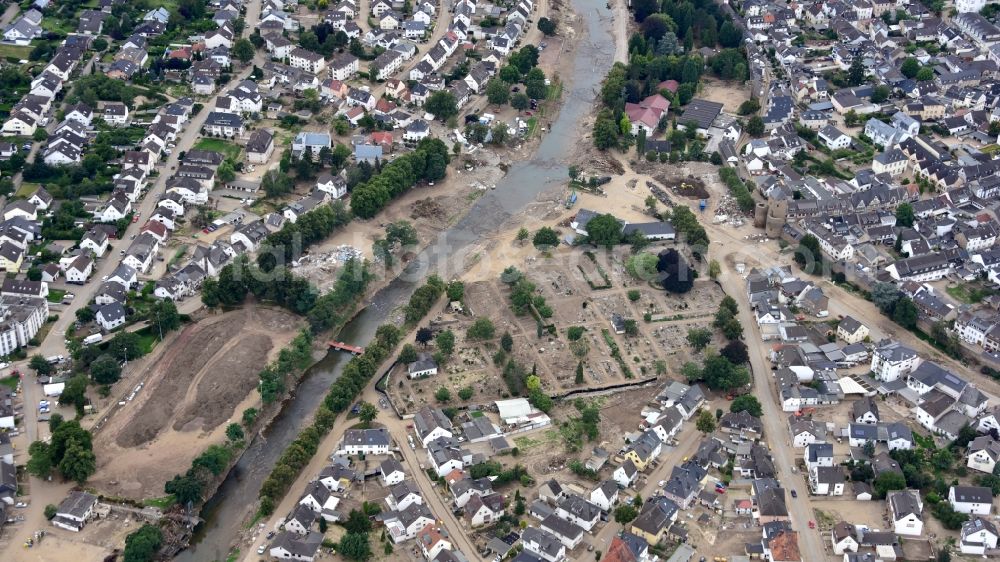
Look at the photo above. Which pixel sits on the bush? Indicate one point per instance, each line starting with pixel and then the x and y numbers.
pixel 545 238
pixel 481 329
pixel 442 395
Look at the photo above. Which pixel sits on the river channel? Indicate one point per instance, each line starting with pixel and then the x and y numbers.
pixel 446 256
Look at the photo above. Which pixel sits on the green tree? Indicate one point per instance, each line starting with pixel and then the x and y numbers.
pixel 75 393
pixel 547 26
pixel 714 269
pixel 749 107
pixel 719 374
pixel 747 403
pixel 368 413
pixel 105 370
pixel 185 489
pixel 481 329
pixel 506 342
pixel 497 91
pixel 442 105
pixel 243 50
pixel 579 373
pixel 880 93
pixel 885 296
pixel 910 67
pixel 926 74
pixel 887 482
pixel 520 101
pixel 735 352
pixel 357 522
pixel 355 546
pixel 699 338
pixel 445 342
pixel 234 432
pixel 534 84
pixel 755 126
pixel 545 238
pixel 904 215
pixel 50 511
pixel 455 291
pixel 605 133
pixel 126 346
pixel 40 365
pixel 522 234
pixel 856 72
pixel 466 392
pixel 143 544
pixel 905 313
pixel 249 416
pixel 604 230
pixel 40 459
pixel 163 316
pixel 408 354
pixel 625 513
pixel 642 266
pixel 442 394
pixel 78 461
pixel 705 422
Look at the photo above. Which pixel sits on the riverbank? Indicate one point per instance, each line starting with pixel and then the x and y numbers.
pixel 451 247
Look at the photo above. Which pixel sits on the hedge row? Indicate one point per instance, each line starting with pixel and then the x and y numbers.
pixel 737 188
pixel 343 392
pixel 428 162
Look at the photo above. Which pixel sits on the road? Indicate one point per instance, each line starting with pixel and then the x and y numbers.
pixel 783 454
pixel 9 14
pixel 687 445
pixel 412 459
pixel 622 17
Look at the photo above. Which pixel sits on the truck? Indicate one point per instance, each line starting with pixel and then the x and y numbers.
pixel 92 339
pixel 54 359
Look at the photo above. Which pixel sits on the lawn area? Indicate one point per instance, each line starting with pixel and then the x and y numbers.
pixel 56 295
pixel 969 295
pixel 229 149
pixel 10 382
pixel 26 189
pixel 532 126
pixel 147 340
pixel 991 149
pixel 15 51
pixel 162 503
pixel 555 90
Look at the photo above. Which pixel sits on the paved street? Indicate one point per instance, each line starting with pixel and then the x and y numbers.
pixel 54 344
pixel 412 459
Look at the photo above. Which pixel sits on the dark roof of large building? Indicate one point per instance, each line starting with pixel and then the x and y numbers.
pixel 703 112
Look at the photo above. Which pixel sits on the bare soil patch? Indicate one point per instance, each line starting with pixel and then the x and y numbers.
pixel 659 347
pixel 194 384
pixel 729 93
pixel 689 187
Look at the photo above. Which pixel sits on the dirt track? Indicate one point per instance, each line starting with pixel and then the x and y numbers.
pixel 195 384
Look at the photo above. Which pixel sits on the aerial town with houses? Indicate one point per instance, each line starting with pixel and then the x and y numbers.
pixel 385 280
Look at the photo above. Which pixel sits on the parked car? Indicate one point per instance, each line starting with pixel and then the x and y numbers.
pixel 795 494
